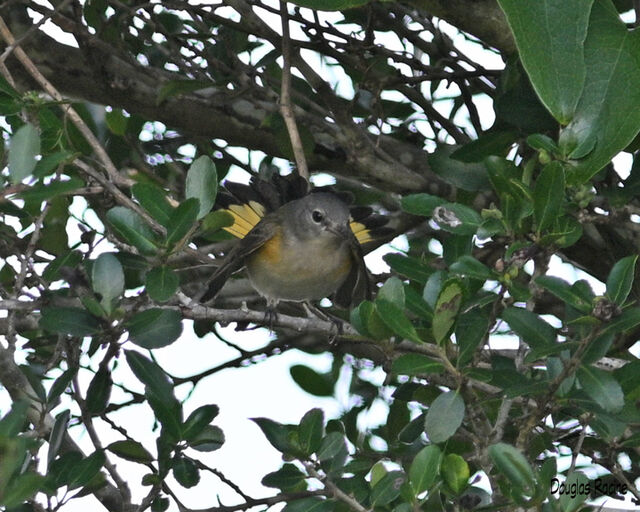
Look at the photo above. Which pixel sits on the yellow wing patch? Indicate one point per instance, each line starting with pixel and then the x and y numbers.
pixel 361 232
pixel 245 217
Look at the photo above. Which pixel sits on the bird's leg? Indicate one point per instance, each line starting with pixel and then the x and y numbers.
pixel 271 313
pixel 338 323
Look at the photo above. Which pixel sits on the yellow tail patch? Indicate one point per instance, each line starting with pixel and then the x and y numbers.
pixel 245 217
pixel 361 232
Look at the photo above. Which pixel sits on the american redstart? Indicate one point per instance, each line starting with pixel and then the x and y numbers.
pixel 296 244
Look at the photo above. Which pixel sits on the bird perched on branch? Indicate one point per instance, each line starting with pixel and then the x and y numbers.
pixel 297 244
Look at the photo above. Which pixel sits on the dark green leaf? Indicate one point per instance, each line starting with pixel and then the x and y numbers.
pixel 565 292
pixel 421 204
pixel 606 119
pixel 69 259
pixel 41 192
pixel 415 364
pixel 312 504
pixel 198 419
pixel 130 227
pixel 446 309
pixel 72 321
pixel 602 387
pixel 444 416
pixel 548 195
pixel 471 267
pixel 552 50
pixel 542 143
pixel 116 121
pixel 457 218
pixel 396 320
pixel 177 87
pixel 276 433
pixel 490 143
pixel 333 450
pixel 572 502
pixel 60 385
pixel 186 472
pixel 155 327
pixel 161 283
pixel 534 331
pixel 425 469
pixel 387 488
pixel 131 450
pixel 149 373
pixel 24 146
pixel 312 382
pixel 287 478
pixel 460 168
pixel 153 199
pixel 58 431
pixel 99 392
pixel 311 430
pixel 511 463
pixel 471 329
pixel 202 184
pixel 20 489
pixel 413 268
pixel 182 220
pixel 82 472
pixel 393 291
pixel 620 279
pixel 209 439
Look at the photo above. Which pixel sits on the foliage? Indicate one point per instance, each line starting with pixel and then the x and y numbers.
pixel 500 372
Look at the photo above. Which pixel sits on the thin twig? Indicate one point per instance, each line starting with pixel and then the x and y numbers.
pixel 286 107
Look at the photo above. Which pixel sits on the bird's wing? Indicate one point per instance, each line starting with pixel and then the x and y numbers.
pixel 357 286
pixel 252 241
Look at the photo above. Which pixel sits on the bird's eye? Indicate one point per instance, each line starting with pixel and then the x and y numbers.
pixel 317 216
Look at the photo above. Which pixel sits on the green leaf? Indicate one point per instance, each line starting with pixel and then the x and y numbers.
pixel 552 49
pixel 602 387
pixel 433 287
pixel 512 464
pixel 20 489
pixel 149 373
pixel 459 167
pixel 287 478
pixel 446 310
pixel 413 268
pixel 58 431
pixel 471 267
pixel 59 386
pixel 116 121
pixel 415 364
pixel 130 227
pixel 312 504
pixel 455 472
pixel 41 192
pixel 24 146
pixel 333 451
pixel 393 291
pixel 276 433
pixel 548 195
pixel 311 430
pixel 471 329
pixel 565 292
pixel 185 472
pixel 83 471
pixel 387 488
pixel 421 204
pixel 155 327
pixel 620 279
pixel 425 469
pixel 314 383
pixel 457 218
pixel 72 321
pixel 209 439
pixel 198 419
pixel 487 144
pixel 543 143
pixel 396 320
pixel 606 119
pixel 107 279
pixel 153 199
pixel 161 283
pixel 99 392
pixel 444 416
pixel 202 183
pixel 629 319
pixel 69 259
pixel 534 331
pixel 131 450
pixel 572 502
pixel 182 220
pixel 330 5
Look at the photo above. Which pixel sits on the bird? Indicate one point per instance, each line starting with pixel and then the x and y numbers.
pixel 297 244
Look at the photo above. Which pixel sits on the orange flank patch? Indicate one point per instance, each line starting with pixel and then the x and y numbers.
pixel 271 250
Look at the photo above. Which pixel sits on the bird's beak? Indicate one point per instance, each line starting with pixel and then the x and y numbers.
pixel 341 231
